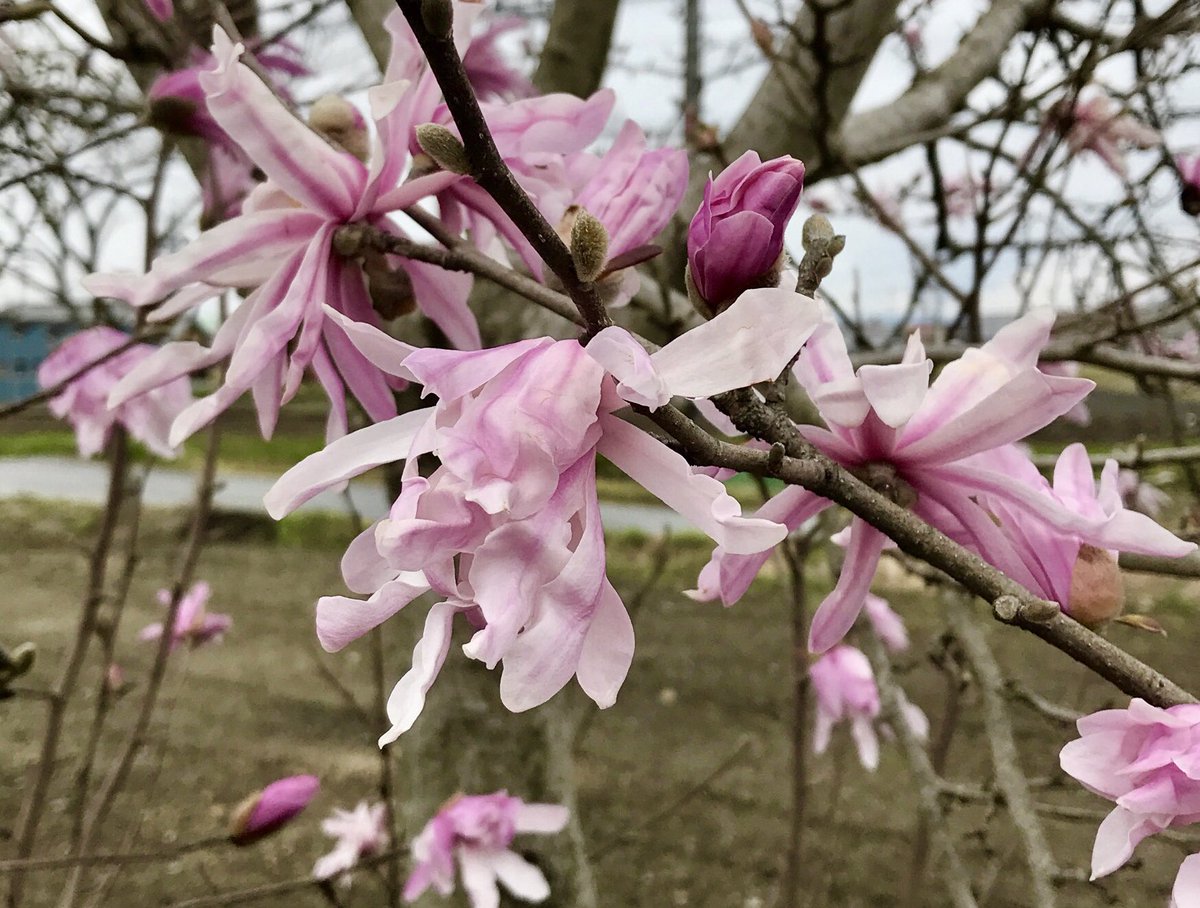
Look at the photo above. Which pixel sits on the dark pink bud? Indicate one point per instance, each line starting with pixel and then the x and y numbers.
pixel 1189 194
pixel 271 809
pixel 735 241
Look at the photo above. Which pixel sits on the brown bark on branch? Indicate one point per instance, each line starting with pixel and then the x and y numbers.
pixel 575 54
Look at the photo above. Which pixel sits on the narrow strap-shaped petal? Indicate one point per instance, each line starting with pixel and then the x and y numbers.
pixel 383 350
pixel 838 612
pixel 627 361
pixel 442 295
pixel 303 164
pixel 607 650
pixel 541 818
pixel 342 620
pixel 408 696
pixel 699 498
pixel 240 252
pixel 349 456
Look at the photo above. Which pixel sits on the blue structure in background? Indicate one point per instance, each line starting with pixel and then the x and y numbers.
pixel 27 335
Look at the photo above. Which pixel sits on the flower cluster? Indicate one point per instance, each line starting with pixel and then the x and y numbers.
pixel 1095 122
pixel 284 247
pixel 1147 761
pixel 83 402
pixel 477 831
pixel 516 430
pixel 946 451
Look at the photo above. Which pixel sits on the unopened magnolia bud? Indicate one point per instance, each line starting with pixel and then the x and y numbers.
pixel 816 229
pixel 438 17
pixel 444 147
pixel 340 122
pixel 114 679
pixel 589 246
pixel 1097 588
pixel 269 810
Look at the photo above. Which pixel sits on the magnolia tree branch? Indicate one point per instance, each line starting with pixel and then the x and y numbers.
pixel 487 167
pixel 1006 761
pixel 136 738
pixel 791 458
pixel 1011 602
pixel 939 94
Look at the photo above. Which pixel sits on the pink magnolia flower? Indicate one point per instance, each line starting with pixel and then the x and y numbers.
pixel 517 430
pixel 84 402
pixel 178 106
pixel 1095 122
pixel 933 448
pixel 1147 761
pixel 845 689
pixel 1189 177
pixel 490 73
pixel 269 810
pixel 477 831
pixel 633 192
pixel 282 245
pixel 735 239
pixel 360 833
pixel 194 625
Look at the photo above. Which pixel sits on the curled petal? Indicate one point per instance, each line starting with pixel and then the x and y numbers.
pixel 751 341
pixel 836 615
pixel 699 498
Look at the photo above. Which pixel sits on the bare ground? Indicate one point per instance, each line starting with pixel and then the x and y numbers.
pixel 709 689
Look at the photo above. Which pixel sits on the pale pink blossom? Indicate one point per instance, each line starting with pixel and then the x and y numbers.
pixel 269 810
pixel 84 402
pixel 477 831
pixel 934 449
pixel 845 689
pixel 490 73
pixel 194 624
pixel 282 245
pixel 359 833
pixel 517 430
pixel 1096 122
pixel 178 106
pixel 1147 761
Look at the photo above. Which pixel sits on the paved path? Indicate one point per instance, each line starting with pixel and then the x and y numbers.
pixel 85 482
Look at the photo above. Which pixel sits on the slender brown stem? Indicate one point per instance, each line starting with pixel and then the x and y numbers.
pixel 124 857
pixel 488 167
pixel 137 736
pixel 35 800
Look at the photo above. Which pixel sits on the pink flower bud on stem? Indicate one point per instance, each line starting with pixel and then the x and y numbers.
pixel 735 240
pixel 271 809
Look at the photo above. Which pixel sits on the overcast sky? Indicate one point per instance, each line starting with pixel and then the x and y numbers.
pixel 645 71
